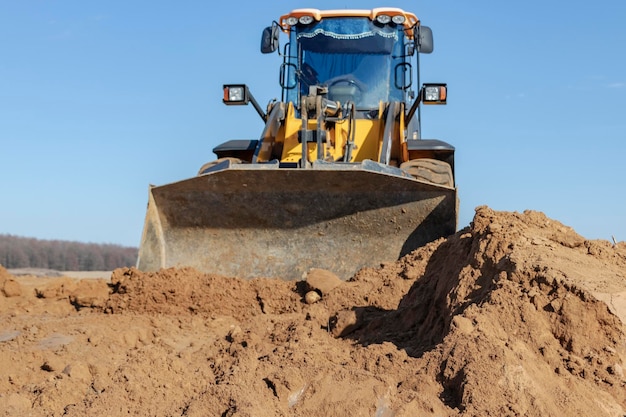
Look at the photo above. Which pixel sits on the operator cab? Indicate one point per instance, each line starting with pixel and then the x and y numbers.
pixel 358 57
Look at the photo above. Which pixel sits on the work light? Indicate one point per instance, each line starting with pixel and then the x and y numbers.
pixel 398 19
pixel 434 93
pixel 235 94
pixel 383 19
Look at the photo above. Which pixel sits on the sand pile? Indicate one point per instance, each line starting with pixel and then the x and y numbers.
pixel 516 315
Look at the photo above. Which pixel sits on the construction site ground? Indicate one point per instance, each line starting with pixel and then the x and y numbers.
pixel 515 315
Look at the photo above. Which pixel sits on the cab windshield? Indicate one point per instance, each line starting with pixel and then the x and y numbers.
pixel 354 57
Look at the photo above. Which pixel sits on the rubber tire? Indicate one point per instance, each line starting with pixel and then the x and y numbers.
pixel 217 161
pixel 430 170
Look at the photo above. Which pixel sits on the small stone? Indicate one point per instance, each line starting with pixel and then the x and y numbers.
pixel 312 297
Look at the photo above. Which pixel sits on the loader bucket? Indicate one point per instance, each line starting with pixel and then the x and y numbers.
pixel 258 220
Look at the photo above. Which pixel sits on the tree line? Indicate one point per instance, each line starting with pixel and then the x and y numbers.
pixel 24 252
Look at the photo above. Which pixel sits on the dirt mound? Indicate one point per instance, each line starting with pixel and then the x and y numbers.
pixel 506 323
pixel 517 315
pixel 181 291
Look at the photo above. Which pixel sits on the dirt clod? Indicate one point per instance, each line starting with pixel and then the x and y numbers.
pixel 9 287
pixel 322 280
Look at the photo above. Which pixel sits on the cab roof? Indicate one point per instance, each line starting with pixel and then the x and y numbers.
pixel 410 20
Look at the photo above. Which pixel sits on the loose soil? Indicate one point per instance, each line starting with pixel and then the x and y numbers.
pixel 515 315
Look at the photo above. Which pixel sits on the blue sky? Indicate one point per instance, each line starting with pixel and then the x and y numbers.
pixel 100 99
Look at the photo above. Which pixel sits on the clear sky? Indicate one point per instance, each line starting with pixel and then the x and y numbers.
pixel 100 99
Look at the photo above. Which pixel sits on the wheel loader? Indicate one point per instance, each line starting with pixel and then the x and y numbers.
pixel 339 178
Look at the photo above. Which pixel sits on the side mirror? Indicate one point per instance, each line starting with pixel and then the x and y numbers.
pixel 269 40
pixel 424 39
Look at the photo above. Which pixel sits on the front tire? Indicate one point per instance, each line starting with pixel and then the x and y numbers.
pixel 204 168
pixel 430 170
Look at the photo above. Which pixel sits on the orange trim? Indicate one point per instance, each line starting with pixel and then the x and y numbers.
pixel 410 20
pixel 443 92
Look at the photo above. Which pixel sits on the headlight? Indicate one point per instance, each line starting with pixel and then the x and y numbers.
pixel 291 20
pixel 398 19
pixel 383 19
pixel 431 93
pixel 434 93
pixel 306 19
pixel 235 94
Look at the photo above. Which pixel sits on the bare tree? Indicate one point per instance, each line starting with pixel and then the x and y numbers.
pixel 23 252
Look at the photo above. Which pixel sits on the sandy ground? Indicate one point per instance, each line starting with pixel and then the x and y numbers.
pixel 516 315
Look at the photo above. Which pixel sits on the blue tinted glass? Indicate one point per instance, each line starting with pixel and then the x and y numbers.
pixel 351 52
